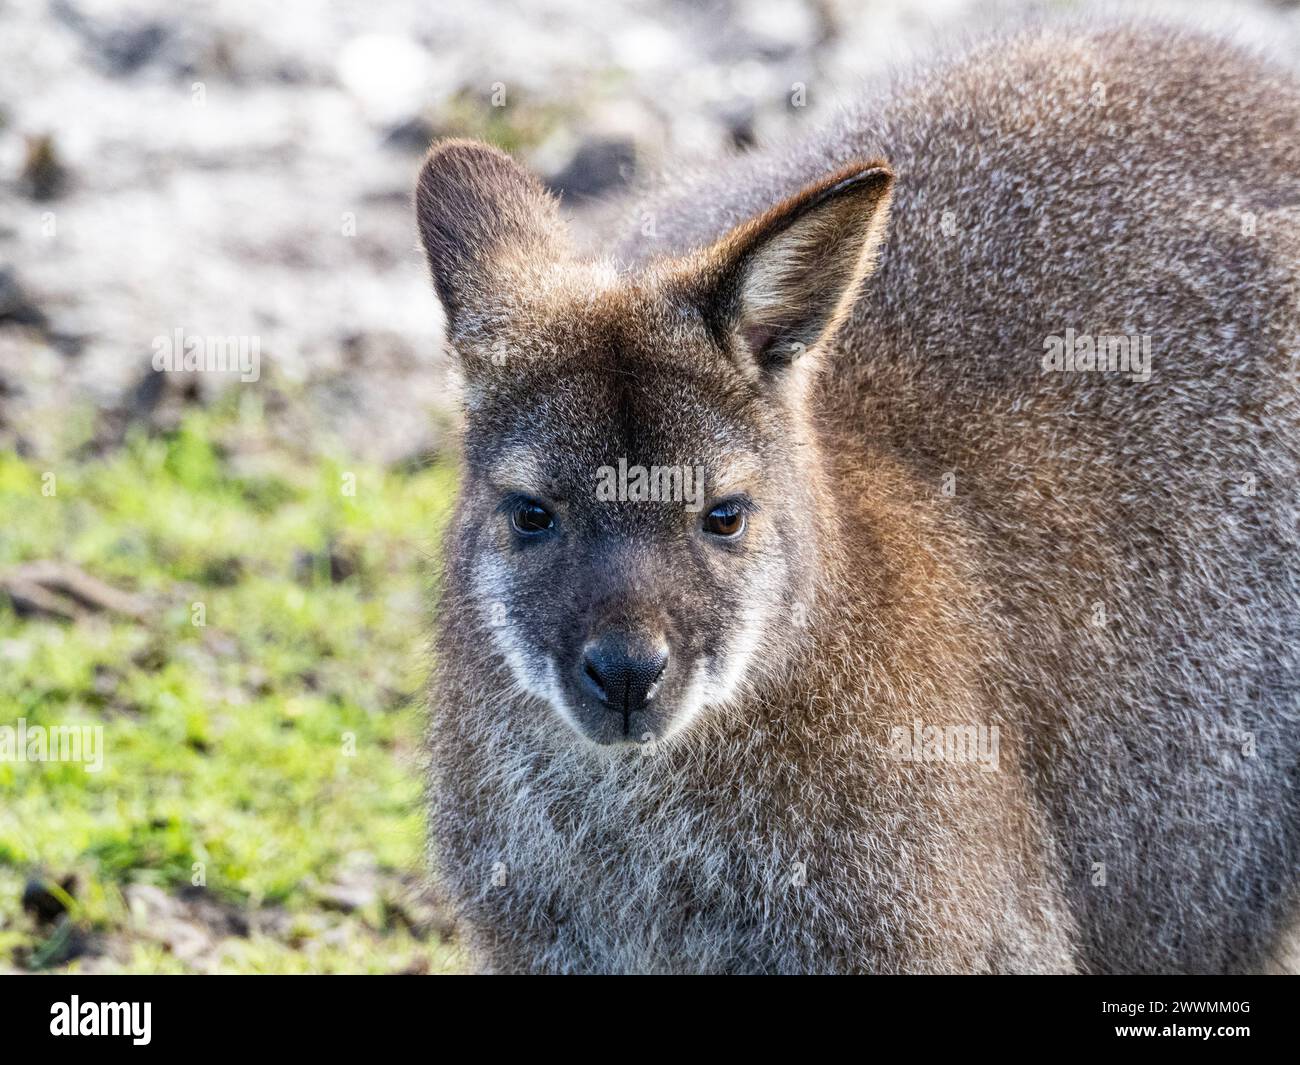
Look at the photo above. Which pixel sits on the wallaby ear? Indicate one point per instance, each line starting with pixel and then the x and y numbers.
pixel 782 282
pixel 484 221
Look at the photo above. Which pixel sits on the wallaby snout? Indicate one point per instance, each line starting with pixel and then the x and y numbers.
pixel 621 671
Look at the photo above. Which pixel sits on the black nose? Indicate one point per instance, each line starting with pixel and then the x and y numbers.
pixel 622 673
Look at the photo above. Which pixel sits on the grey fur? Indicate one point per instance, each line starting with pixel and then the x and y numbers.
pixel 940 520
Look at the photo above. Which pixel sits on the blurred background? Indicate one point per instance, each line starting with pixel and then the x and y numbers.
pixel 232 579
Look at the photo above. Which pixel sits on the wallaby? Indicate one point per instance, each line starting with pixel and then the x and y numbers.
pixel 886 560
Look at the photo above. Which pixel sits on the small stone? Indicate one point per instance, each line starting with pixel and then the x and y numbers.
pixel 412 135
pixel 599 165
pixel 16 305
pixel 348 897
pixel 44 175
pixel 44 904
pixel 128 48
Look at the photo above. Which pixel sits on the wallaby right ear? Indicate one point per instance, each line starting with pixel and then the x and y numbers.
pixel 784 281
pixel 484 221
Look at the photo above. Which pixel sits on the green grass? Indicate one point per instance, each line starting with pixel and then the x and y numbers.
pixel 260 754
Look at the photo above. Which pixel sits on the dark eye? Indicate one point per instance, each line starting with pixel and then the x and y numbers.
pixel 726 520
pixel 530 518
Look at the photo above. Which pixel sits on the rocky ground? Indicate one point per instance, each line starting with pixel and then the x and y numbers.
pixel 244 169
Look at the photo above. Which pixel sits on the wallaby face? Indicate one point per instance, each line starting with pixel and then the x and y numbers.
pixel 636 484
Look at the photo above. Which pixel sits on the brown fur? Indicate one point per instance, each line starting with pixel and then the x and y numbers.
pixel 943 533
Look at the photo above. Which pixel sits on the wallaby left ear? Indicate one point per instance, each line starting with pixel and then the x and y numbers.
pixel 486 224
pixel 781 283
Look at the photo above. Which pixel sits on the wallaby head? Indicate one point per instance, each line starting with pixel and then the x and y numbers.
pixel 640 492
